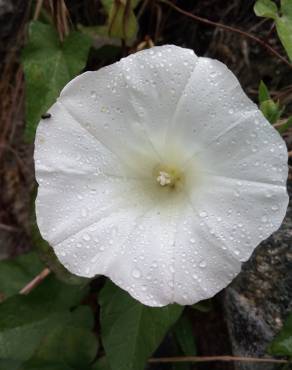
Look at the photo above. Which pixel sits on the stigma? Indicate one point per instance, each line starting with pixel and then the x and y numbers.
pixel 164 178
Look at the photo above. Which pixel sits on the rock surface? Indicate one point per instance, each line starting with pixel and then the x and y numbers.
pixel 259 299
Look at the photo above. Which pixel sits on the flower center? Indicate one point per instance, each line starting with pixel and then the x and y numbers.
pixel 168 177
pixel 164 178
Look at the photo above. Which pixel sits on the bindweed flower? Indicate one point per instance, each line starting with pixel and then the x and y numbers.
pixel 160 173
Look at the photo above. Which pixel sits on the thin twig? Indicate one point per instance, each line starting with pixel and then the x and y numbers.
pixel 37 10
pixel 9 228
pixel 35 281
pixel 228 28
pixel 215 359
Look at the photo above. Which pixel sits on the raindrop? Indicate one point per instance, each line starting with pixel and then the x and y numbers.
pixel 203 214
pixel 275 208
pixel 203 264
pixel 136 273
pixel 93 94
pixel 86 237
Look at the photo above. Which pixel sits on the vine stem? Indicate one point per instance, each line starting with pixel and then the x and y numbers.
pixel 215 359
pixel 35 281
pixel 228 28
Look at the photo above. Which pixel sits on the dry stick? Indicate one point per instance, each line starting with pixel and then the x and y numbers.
pixel 36 281
pixel 38 8
pixel 215 359
pixel 8 228
pixel 229 28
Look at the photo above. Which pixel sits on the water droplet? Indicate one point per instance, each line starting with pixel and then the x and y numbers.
pixel 136 273
pixel 203 264
pixel 86 237
pixel 203 214
pixel 275 208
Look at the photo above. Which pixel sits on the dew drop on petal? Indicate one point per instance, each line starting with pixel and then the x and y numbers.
pixel 203 214
pixel 86 237
pixel 203 264
pixel 136 273
pixel 93 94
pixel 275 208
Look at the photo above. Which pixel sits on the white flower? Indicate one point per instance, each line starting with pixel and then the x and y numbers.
pixel 160 173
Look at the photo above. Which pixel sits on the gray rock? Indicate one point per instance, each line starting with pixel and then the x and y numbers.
pixel 259 299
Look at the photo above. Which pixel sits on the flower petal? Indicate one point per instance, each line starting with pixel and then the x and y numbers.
pixel 202 265
pixel 79 179
pixel 223 224
pixel 134 247
pixel 251 150
pixel 99 204
pixel 129 104
pixel 212 103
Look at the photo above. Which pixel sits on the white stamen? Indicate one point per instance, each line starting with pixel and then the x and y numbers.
pixel 164 178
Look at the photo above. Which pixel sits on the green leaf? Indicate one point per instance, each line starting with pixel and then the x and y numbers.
pixel 107 4
pixel 15 273
pixel 271 110
pixel 131 331
pixel 122 22
pixel 266 8
pixel 100 364
pixel 184 335
pixel 71 342
pixel 282 344
pixel 284 29
pixel 40 365
pixel 26 320
pixel 203 306
pixel 263 92
pixel 286 7
pixel 9 364
pixel 283 128
pixel 48 65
